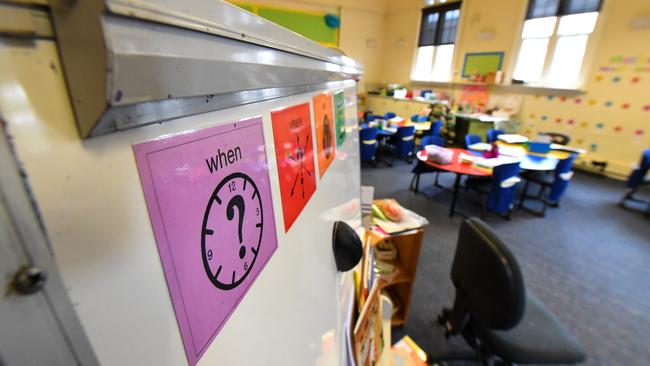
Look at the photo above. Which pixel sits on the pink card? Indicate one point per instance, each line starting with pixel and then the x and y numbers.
pixel 209 199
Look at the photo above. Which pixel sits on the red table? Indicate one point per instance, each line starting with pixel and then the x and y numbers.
pixel 456 167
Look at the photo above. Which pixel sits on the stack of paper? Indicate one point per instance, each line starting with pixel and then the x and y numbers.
pixel 512 151
pixel 480 146
pixel 513 138
pixel 567 149
pixel 491 163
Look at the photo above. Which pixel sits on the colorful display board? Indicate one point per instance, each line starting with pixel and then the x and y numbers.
pixel 294 154
pixel 325 134
pixel 209 199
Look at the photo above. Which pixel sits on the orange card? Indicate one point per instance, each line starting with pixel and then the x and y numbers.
pixel 294 154
pixel 325 136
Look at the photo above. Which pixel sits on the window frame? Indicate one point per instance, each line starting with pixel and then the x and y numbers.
pixel 441 10
pixel 553 39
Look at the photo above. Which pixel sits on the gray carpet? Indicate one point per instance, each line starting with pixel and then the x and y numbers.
pixel 588 261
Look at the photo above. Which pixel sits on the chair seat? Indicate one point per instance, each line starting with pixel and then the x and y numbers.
pixel 542 178
pixel 481 185
pixel 539 338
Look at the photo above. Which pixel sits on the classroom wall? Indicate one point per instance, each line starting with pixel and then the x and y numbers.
pixel 362 29
pixel 610 119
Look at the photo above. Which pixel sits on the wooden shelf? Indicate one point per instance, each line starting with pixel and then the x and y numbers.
pixel 399 284
pixel 399 276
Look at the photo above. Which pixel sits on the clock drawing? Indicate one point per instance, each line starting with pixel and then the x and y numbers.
pixel 232 231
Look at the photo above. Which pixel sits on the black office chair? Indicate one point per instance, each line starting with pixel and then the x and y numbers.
pixel 493 312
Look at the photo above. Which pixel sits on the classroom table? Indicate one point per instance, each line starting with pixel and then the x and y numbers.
pixel 459 169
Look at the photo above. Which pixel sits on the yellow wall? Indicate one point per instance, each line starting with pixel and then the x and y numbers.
pixel 382 35
pixel 400 39
pixel 614 133
pixel 612 119
pixel 361 33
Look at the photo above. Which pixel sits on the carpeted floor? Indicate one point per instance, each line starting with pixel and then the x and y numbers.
pixel 588 261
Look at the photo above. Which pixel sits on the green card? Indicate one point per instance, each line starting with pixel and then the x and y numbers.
pixel 339 117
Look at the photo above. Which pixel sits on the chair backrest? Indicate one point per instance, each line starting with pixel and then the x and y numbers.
pixel 558 138
pixel 563 175
pixel 366 115
pixel 436 128
pixel 405 140
pixel 418 118
pixel 432 140
pixel 471 140
pixel 389 115
pixel 505 178
pixel 492 134
pixel 638 174
pixel 368 143
pixel 539 147
pixel 487 277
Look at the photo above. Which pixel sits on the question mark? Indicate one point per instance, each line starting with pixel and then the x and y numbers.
pixel 238 201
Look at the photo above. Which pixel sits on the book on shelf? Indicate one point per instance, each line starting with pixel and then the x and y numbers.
pixel 368 331
pixel 407 353
pixel 386 250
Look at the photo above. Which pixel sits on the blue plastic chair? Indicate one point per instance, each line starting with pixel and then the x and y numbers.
pixel 471 140
pixel 499 190
pixel 563 174
pixel 637 176
pixel 492 134
pixel 422 168
pixel 539 147
pixel 636 180
pixel 556 187
pixel 389 115
pixel 404 142
pixel 368 144
pixel 436 128
pixel 501 197
pixel 418 118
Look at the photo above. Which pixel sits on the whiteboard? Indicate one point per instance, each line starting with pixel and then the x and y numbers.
pixel 91 201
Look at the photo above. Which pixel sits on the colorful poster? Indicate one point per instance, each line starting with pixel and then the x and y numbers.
pixel 339 117
pixel 325 139
pixel 209 199
pixel 294 154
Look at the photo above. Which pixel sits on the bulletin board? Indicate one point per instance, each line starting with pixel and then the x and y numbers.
pixel 308 24
pixel 482 63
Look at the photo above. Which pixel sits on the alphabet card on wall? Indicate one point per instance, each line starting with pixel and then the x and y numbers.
pixel 209 199
pixel 325 134
pixel 294 154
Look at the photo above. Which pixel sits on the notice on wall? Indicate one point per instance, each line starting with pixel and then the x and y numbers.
pixel 209 199
pixel 325 139
pixel 294 154
pixel 339 117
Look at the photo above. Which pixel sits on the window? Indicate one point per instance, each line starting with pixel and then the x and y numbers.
pixel 554 41
pixel 435 51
